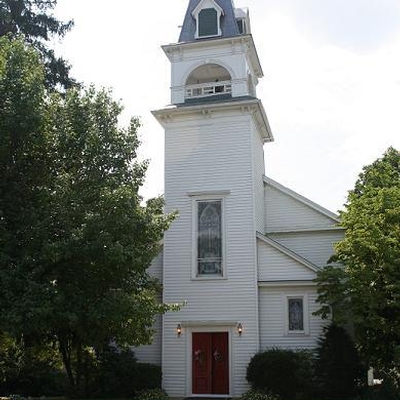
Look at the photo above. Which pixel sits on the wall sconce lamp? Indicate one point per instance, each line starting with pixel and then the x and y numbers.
pixel 240 329
pixel 178 329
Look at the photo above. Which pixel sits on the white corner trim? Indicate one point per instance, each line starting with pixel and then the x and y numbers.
pixel 288 252
pixel 301 199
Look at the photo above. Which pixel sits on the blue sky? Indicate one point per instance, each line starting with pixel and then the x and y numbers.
pixel 331 87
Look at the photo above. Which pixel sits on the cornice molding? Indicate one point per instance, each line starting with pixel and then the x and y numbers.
pixel 251 106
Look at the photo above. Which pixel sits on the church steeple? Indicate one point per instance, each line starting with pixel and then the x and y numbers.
pixel 215 130
pixel 215 58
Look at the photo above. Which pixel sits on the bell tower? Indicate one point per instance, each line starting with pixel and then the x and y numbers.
pixel 220 56
pixel 215 129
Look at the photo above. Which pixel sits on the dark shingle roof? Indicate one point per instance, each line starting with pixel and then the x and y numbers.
pixel 222 98
pixel 228 21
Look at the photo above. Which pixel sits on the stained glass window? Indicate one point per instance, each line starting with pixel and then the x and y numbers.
pixel 296 314
pixel 209 238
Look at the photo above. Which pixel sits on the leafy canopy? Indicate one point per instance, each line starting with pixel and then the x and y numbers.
pixel 32 20
pixel 75 238
pixel 367 289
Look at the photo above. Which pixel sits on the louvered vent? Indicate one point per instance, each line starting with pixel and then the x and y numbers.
pixel 208 22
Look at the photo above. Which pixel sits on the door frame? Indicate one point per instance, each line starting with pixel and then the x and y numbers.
pixel 209 328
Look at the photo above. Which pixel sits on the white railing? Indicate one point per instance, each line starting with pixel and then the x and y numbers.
pixel 208 89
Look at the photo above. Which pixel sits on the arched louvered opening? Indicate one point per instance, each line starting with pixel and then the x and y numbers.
pixel 208 80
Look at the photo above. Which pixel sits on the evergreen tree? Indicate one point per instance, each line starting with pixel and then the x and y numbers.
pixel 33 21
pixel 338 368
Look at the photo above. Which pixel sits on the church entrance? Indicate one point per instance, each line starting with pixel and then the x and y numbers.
pixel 210 363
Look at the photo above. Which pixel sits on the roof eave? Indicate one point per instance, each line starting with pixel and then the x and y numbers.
pixel 302 199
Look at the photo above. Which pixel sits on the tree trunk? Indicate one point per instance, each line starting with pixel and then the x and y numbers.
pixel 66 358
pixel 78 363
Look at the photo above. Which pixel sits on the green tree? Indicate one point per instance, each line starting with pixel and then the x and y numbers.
pixel 366 290
pixel 338 369
pixel 75 238
pixel 32 20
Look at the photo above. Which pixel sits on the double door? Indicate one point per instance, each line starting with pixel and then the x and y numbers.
pixel 210 363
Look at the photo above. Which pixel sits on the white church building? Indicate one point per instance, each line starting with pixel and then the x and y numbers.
pixel 244 250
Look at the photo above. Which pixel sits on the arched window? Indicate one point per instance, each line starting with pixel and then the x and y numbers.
pixel 296 314
pixel 209 238
pixel 208 80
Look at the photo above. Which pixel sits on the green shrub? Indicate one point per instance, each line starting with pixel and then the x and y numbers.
pixel 147 376
pixel 152 394
pixel 257 395
pixel 117 373
pixel 113 373
pixel 29 369
pixel 285 373
pixel 338 369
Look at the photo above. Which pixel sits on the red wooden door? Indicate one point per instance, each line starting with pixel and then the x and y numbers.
pixel 220 368
pixel 210 363
pixel 202 365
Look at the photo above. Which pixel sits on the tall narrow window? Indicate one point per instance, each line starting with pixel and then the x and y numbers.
pixel 295 314
pixel 209 237
pixel 241 25
pixel 208 22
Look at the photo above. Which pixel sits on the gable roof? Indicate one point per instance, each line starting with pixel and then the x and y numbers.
pixel 308 203
pixel 291 254
pixel 229 26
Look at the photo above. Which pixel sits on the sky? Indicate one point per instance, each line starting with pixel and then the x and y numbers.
pixel 331 88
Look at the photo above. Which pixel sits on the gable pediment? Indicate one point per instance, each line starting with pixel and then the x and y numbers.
pixel 207 4
pixel 278 263
pixel 286 210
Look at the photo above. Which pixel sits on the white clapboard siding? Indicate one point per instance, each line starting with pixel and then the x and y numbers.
pixel 151 353
pixel 272 319
pixel 259 171
pixel 210 154
pixel 156 267
pixel 285 210
pixel 273 265
pixel 318 247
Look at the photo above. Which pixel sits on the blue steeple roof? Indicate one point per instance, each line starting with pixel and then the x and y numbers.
pixel 229 26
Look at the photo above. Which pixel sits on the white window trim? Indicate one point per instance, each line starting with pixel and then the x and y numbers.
pixel 306 317
pixel 207 4
pixel 218 196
